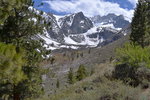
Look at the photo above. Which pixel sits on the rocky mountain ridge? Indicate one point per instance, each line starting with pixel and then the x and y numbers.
pixel 76 30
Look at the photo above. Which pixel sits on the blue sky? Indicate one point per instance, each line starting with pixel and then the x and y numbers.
pixel 88 7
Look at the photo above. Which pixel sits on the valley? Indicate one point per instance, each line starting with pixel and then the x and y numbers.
pixel 69 58
pixel 74 50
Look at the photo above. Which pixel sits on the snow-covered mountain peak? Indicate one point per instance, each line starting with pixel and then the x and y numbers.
pixel 76 30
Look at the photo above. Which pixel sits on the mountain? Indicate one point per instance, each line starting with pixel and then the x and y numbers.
pixel 75 24
pixel 111 19
pixel 77 31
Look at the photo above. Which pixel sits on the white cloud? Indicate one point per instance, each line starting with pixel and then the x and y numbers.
pixel 89 7
pixel 133 2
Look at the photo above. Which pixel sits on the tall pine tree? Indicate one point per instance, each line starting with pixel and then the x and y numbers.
pixel 140 34
pixel 20 30
pixel 11 73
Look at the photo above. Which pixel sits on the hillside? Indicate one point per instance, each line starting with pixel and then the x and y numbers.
pixel 100 86
pixel 66 59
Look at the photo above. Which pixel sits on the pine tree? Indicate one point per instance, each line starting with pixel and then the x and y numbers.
pixel 11 63
pixel 147 40
pixel 71 77
pixel 7 8
pixel 81 73
pixel 140 25
pixel 20 30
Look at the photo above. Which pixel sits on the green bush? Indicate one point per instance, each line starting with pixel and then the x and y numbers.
pixel 133 55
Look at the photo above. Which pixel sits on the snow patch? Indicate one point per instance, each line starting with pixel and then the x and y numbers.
pixel 68 40
pixel 58 19
pixel 82 22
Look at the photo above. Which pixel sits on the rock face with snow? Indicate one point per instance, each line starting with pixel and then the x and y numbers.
pixel 76 30
pixel 117 21
pixel 75 24
pixel 54 29
pixel 107 34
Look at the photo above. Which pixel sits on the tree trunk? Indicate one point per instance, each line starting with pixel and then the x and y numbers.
pixel 16 95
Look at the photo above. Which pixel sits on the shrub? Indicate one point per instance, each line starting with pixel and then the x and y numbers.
pixel 133 55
